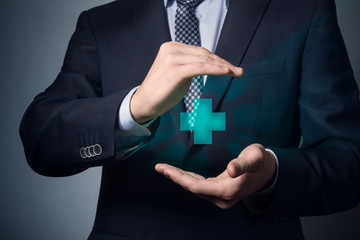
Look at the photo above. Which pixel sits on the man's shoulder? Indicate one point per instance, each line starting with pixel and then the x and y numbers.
pixel 105 15
pixel 114 8
pixel 302 4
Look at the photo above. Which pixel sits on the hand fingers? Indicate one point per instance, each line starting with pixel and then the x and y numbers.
pixel 238 167
pixel 199 61
pixel 185 49
pixel 202 68
pixel 217 191
pixel 250 159
pixel 161 167
pixel 191 181
pixel 183 59
pixel 195 175
pixel 220 202
pixel 191 174
pixel 171 171
pixel 177 175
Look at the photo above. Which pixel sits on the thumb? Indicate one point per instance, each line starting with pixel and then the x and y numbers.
pixel 237 167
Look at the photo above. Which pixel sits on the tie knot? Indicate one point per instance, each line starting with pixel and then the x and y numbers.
pixel 189 3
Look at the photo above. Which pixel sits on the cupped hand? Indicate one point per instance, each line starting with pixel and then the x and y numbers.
pixel 169 78
pixel 248 173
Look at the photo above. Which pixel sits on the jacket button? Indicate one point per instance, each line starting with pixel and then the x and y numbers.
pixel 82 152
pixel 92 150
pixel 87 152
pixel 97 149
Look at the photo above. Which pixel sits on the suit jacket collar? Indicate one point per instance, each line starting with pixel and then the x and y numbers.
pixel 166 2
pixel 241 22
pixel 151 24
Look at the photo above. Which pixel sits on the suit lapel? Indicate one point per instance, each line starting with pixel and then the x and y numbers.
pixel 151 24
pixel 241 22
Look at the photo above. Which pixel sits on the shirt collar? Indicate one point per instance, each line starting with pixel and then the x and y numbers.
pixel 166 2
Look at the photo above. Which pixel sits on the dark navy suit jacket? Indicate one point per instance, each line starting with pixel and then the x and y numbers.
pixel 298 82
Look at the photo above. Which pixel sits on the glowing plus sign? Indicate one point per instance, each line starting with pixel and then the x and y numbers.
pixel 206 121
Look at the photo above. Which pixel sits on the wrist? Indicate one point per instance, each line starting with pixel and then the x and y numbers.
pixel 138 110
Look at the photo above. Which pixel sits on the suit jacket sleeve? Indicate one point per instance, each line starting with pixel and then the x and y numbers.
pixel 72 114
pixel 322 176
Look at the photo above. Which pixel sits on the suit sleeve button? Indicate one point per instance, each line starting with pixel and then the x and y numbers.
pixel 82 152
pixel 87 152
pixel 97 149
pixel 92 151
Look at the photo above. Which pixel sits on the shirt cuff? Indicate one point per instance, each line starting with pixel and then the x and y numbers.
pixel 127 123
pixel 272 185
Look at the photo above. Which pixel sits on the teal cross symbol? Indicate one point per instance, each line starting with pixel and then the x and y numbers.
pixel 206 121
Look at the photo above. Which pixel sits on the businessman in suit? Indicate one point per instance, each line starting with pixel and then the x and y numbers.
pixel 117 102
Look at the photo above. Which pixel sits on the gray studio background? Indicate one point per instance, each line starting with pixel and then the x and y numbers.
pixel 33 39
